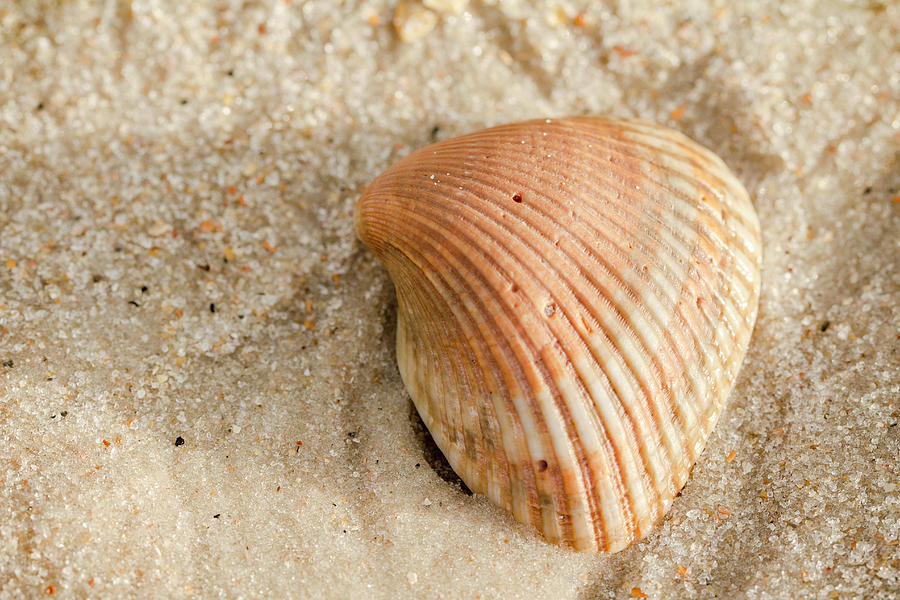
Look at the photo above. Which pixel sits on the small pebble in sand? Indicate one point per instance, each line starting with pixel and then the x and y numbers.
pixel 413 21
pixel 158 228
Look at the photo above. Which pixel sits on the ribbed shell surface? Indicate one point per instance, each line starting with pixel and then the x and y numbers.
pixel 575 298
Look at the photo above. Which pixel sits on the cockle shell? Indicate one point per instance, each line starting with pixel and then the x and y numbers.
pixel 575 297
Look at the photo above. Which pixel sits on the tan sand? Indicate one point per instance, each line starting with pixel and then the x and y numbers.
pixel 198 393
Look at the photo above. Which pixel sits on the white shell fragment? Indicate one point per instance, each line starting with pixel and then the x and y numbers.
pixel 575 298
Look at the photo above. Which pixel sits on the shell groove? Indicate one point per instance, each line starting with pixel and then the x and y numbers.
pixel 575 298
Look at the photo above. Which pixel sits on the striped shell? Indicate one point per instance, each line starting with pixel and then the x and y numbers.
pixel 575 298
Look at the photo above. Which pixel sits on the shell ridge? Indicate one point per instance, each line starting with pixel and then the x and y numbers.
pixel 591 487
pixel 503 192
pixel 437 299
pixel 682 243
pixel 676 145
pixel 624 149
pixel 669 275
pixel 638 460
pixel 721 247
pixel 609 271
pixel 657 221
pixel 427 398
pixel 661 143
pixel 445 437
pixel 536 409
pixel 736 200
pixel 580 403
pixel 436 217
pixel 580 301
pixel 512 411
pixel 723 358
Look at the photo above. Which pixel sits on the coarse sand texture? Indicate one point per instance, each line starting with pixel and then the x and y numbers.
pixel 199 393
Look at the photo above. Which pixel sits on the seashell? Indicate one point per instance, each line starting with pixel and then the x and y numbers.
pixel 575 297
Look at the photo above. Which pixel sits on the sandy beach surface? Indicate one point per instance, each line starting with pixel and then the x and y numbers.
pixel 198 389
